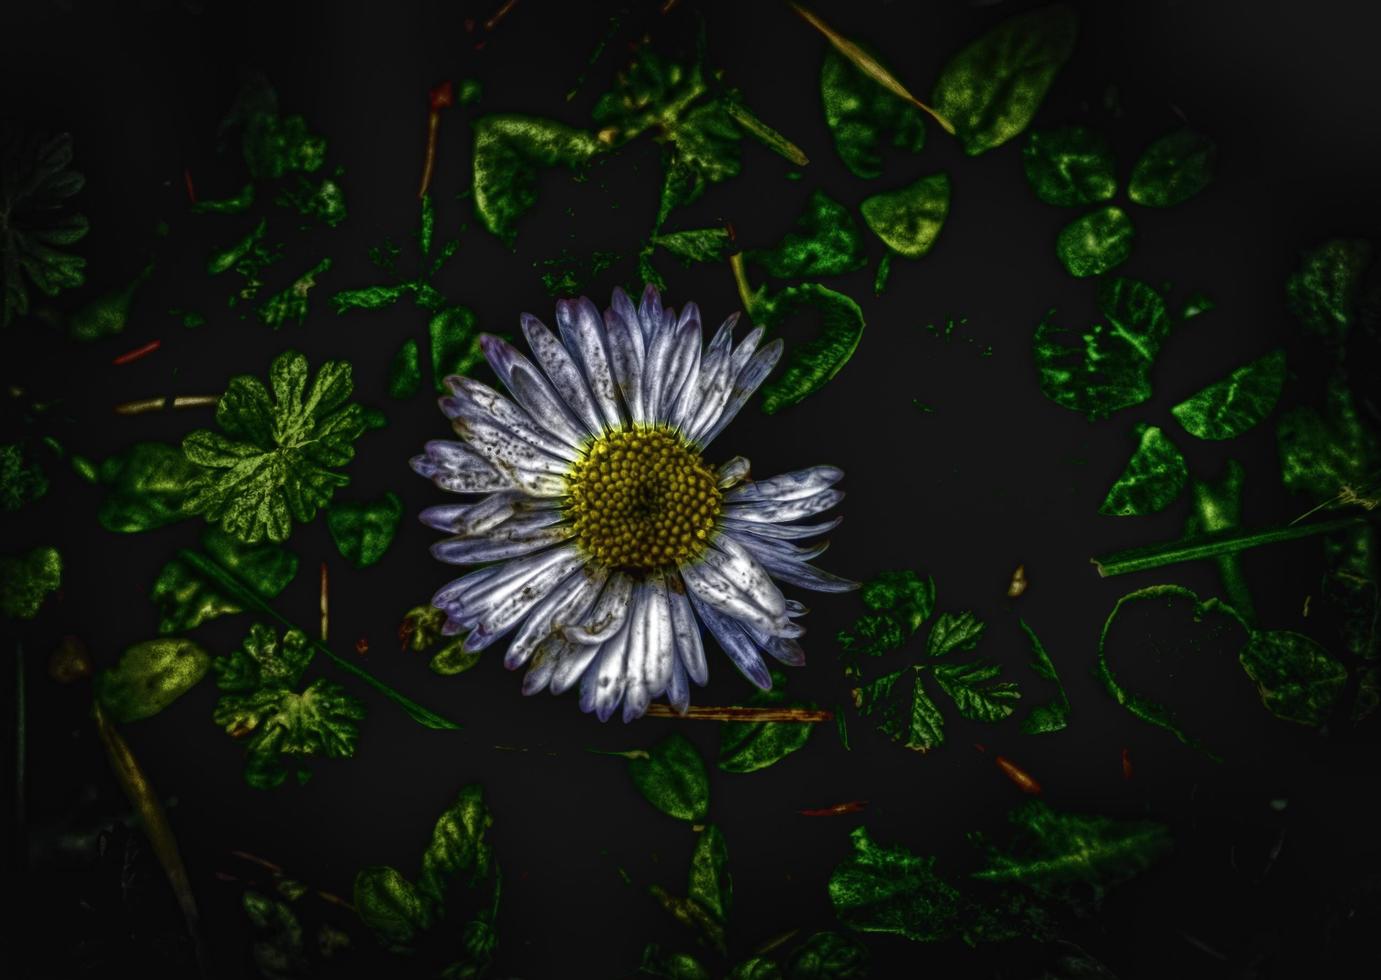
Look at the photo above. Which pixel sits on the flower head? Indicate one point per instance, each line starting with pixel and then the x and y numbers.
pixel 605 538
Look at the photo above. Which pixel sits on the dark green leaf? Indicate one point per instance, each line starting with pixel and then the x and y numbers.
pixel 1108 367
pixel 107 314
pixel 405 371
pixel 149 677
pixel 911 719
pixel 953 631
pixel 455 344
pixel 991 89
pixel 275 145
pixel 702 149
pixel 899 602
pixel 976 692
pixel 1297 679
pixel 861 114
pixel 1095 243
pixel 1069 167
pixel 36 181
pixel 1323 292
pixel 390 906
pixel 509 151
pixel 291 303
pixel 752 745
pixel 909 220
pixel 278 949
pixel 276 462
pixel 25 582
pixel 238 204
pixel 322 200
pixel 1172 170
pixel 672 966
pixel 1053 716
pixel 755 968
pixel 710 883
pixel 697 245
pixel 828 956
pixel 457 848
pixel 453 658
pixel 672 778
pixel 370 297
pixel 1154 477
pixel 21 480
pixel 186 598
pixel 825 242
pixel 363 531
pixel 148 487
pixel 809 366
pixel 1228 408
pixel 889 889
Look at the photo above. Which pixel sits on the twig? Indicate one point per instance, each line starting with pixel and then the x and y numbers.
pixel 741 714
pixel 130 356
pixel 839 809
pixel 143 405
pixel 325 604
pixel 500 14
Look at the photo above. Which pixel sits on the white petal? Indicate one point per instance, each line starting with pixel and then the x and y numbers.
pixel 499 601
pixel 686 629
pixel 787 532
pixel 456 467
pixel 626 360
pixel 683 366
pixel 650 314
pixel 721 384
pixel 732 472
pixel 471 397
pixel 747 382
pixel 678 688
pixel 492 511
pixel 499 545
pixel 603 684
pixel 562 371
pixel 640 640
pixel 564 605
pixel 707 587
pixel 781 511
pixel 532 391
pixel 608 615
pixel 728 557
pixel 788 486
pixel 734 642
pixel 582 330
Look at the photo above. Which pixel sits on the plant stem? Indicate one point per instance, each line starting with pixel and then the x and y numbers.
pixel 246 597
pixel 811 715
pixel 1214 545
pixel 21 753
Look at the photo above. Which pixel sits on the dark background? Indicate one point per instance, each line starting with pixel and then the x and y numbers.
pixel 996 476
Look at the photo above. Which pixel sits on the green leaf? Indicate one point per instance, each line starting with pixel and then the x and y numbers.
pixel 260 707
pixel 953 631
pixel 1323 292
pixel 363 531
pixel 276 461
pixel 1228 408
pixel 148 487
pixel 1095 243
pixel 710 883
pixel 453 658
pixel 25 582
pixel 975 691
pixel 1054 851
pixel 861 114
pixel 390 906
pixel 455 344
pixel 889 889
pixel 697 245
pixel 405 371
pixel 278 951
pixel 509 151
pixel 186 598
pixel 1054 715
pixel 702 149
pixel 275 145
pixel 1153 478
pixel 457 848
pixel 1069 167
pixel 107 314
pixel 291 303
pixel 991 89
pixel 1108 367
pixel 21 479
pixel 672 966
pixel 912 720
pixel 1172 170
pixel 1218 507
pixel 672 778
pixel 900 602
pixel 149 677
pixel 1296 678
pixel 909 220
pixel 36 182
pixel 1322 453
pixel 238 204
pixel 371 297
pixel 828 956
pixel 752 745
pixel 825 242
pixel 809 366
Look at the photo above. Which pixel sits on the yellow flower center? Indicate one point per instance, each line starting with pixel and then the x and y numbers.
pixel 641 498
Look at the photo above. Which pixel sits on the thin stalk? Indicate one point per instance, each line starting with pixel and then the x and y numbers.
pixel 745 291
pixel 807 715
pixel 1214 545
pixel 142 406
pixel 21 755
pixel 248 598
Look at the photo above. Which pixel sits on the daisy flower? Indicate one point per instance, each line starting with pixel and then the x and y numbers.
pixel 604 537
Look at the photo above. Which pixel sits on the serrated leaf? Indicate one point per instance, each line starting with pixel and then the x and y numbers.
pixel 1069 167
pixel 1297 679
pixel 909 220
pixel 509 152
pixel 991 89
pixel 1108 367
pixel 276 462
pixel 1152 479
pixel 1228 408
pixel 861 114
pixel 1095 243
pixel 825 242
pixel 976 692
pixel 672 778
pixel 910 718
pixel 954 631
pixel 390 906
pixel 36 183
pixel 1172 170
pixel 26 581
pixel 889 889
pixel 363 530
pixel 899 602
pixel 809 366
pixel 149 677
pixel 1323 292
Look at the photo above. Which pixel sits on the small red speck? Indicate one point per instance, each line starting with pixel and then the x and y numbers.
pixel 362 645
pixel 980 746
pixel 1126 764
pixel 852 806
pixel 191 188
pixel 441 96
pixel 133 355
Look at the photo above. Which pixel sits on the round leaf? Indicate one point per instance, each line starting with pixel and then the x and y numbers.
pixel 1297 679
pixel 672 778
pixel 1095 243
pixel 1232 406
pixel 150 676
pixel 909 220
pixel 1172 170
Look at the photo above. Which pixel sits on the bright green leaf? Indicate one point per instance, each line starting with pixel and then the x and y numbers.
pixel 390 906
pixel 1054 715
pixel 149 677
pixel 828 956
pixel 509 151
pixel 889 889
pixel 911 719
pixel 453 658
pixel 976 692
pixel 1152 479
pixel 455 344
pixel 697 245
pixel 1095 243
pixel 1228 408
pixel 909 220
pixel 458 847
pixel 954 631
pixel 148 487
pixel 291 303
pixel 752 745
pixel 25 582
pixel 186 598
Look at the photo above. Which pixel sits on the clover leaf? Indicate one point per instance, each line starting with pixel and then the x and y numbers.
pixel 277 460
